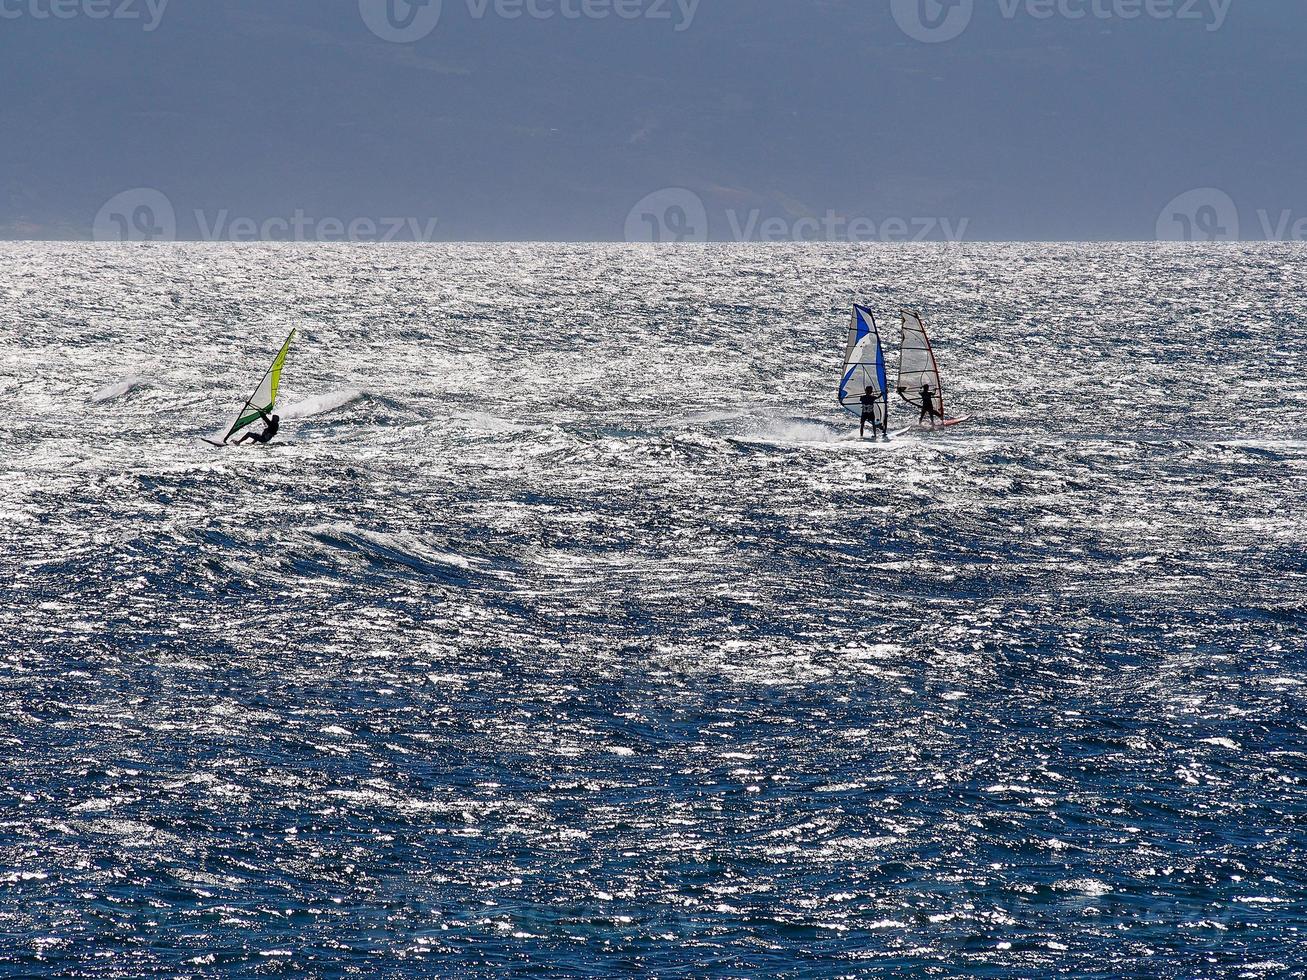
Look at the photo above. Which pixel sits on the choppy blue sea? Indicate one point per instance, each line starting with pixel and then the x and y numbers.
pixel 572 632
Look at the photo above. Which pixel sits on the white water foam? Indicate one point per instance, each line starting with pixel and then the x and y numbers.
pixel 322 404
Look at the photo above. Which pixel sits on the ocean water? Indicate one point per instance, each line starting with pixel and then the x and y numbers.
pixel 572 632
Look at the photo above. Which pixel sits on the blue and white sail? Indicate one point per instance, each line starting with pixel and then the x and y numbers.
pixel 864 367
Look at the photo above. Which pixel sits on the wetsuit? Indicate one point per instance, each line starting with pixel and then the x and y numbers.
pixel 869 403
pixel 928 406
pixel 272 425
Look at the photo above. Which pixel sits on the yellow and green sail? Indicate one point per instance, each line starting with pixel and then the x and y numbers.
pixel 265 396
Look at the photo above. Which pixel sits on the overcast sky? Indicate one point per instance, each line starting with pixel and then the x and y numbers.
pixel 670 119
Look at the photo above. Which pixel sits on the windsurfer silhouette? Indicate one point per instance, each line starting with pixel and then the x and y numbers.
pixel 928 406
pixel 272 423
pixel 869 402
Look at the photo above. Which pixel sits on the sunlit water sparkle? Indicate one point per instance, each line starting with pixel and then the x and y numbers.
pixel 573 632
